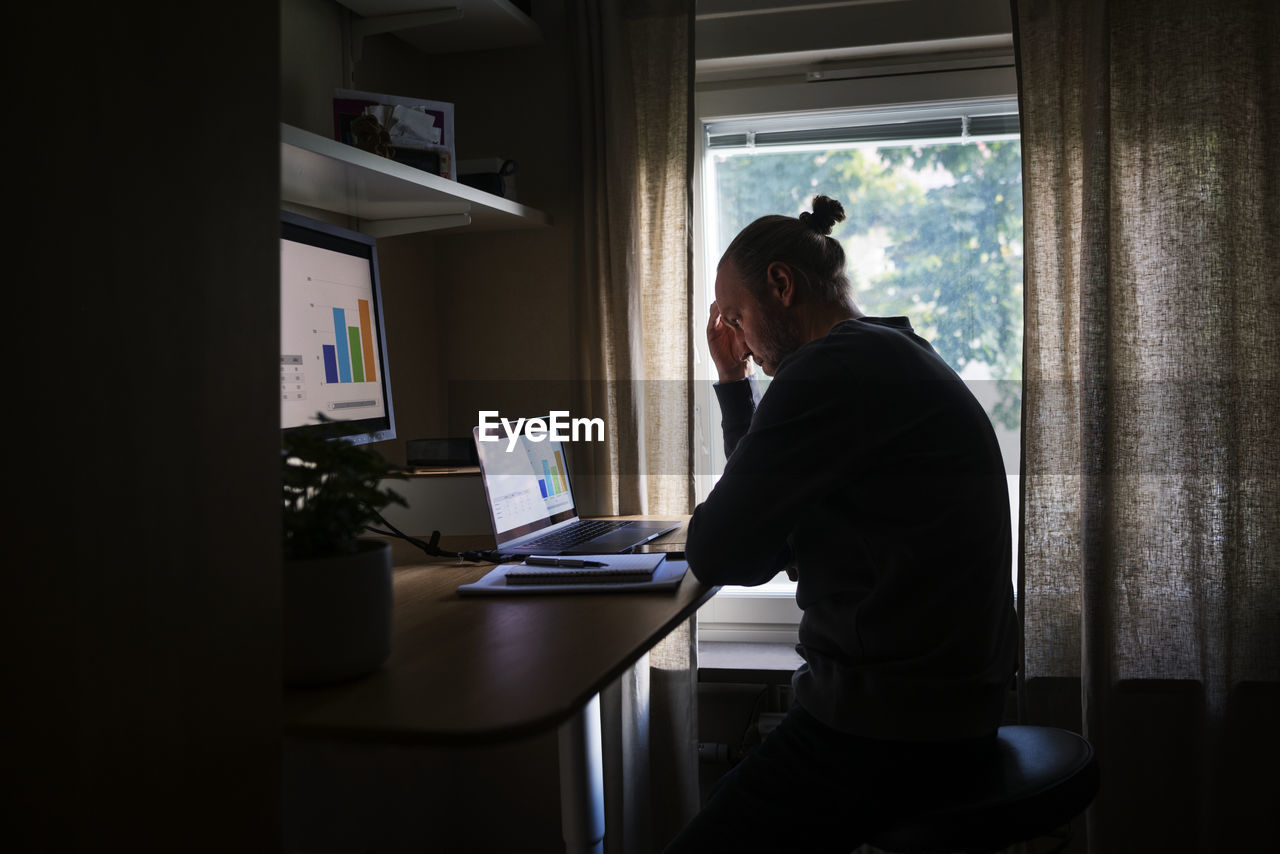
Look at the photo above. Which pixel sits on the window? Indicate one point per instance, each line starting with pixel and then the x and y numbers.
pixel 933 201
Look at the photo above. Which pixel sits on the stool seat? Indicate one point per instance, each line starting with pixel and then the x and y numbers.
pixel 1039 778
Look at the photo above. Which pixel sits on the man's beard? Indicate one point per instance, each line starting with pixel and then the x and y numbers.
pixel 780 338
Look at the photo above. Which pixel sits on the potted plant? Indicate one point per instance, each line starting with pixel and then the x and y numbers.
pixel 337 585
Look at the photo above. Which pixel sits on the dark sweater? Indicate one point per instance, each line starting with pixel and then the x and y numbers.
pixel 871 468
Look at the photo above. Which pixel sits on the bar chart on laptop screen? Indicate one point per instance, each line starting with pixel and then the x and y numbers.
pixel 527 481
pixel 329 358
pixel 545 460
pixel 552 480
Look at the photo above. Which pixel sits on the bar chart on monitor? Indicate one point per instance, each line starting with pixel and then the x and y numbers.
pixel 350 358
pixel 330 355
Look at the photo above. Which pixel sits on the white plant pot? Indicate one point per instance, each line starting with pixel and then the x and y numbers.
pixel 337 615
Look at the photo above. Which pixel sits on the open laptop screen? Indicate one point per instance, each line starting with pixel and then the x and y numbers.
pixel 527 487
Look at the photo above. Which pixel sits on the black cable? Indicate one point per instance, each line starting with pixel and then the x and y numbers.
pixel 393 533
pixel 432 547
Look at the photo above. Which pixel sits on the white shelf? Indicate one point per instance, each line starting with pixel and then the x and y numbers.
pixel 478 25
pixel 387 197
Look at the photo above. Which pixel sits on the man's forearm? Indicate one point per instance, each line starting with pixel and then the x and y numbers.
pixel 738 401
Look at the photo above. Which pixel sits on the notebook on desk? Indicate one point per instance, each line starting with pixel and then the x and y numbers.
pixel 530 501
pixel 629 573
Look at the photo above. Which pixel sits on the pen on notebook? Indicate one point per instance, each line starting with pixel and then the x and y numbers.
pixel 534 560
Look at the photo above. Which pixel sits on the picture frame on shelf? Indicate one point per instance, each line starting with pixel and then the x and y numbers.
pixel 414 131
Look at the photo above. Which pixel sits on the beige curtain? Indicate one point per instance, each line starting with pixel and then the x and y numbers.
pixel 1150 132
pixel 635 74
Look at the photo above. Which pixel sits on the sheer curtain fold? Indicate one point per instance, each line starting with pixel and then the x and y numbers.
pixel 635 73
pixel 1152 393
pixel 635 77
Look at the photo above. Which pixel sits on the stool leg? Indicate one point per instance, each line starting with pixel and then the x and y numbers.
pixel 582 781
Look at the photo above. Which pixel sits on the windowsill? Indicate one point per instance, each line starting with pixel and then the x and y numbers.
pixel 766 614
pixel 754 663
pixel 779 585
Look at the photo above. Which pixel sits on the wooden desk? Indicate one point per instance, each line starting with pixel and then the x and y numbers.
pixel 476 670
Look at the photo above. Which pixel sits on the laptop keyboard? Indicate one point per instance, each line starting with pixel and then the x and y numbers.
pixel 587 529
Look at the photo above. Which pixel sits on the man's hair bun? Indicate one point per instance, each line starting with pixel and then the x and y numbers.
pixel 826 213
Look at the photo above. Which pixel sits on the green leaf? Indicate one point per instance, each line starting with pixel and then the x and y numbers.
pixel 330 490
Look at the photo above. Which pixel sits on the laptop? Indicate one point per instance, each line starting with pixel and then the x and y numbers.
pixel 527 488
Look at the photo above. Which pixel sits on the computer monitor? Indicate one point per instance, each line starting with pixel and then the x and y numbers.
pixel 333 348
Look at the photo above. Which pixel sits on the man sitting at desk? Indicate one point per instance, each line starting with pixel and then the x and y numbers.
pixel 872 474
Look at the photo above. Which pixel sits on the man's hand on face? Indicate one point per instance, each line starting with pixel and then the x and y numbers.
pixel 728 350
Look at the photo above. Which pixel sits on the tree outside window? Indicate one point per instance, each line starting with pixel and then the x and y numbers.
pixel 934 232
